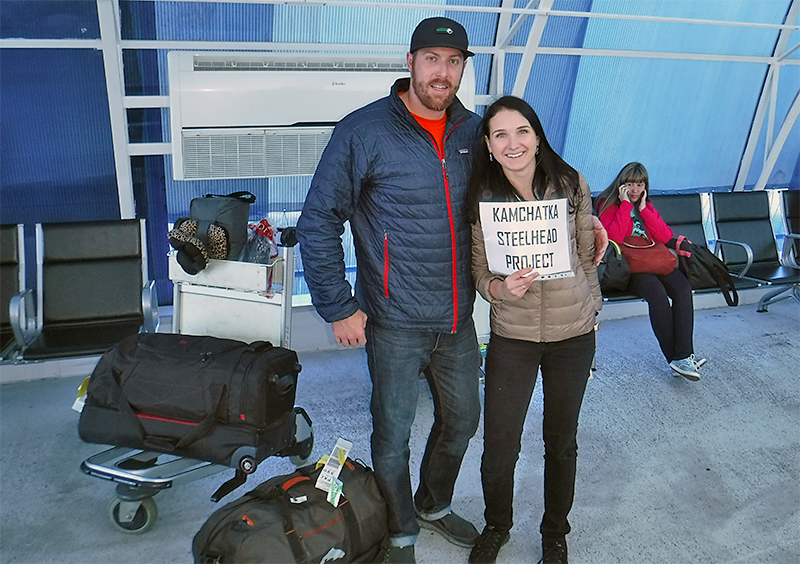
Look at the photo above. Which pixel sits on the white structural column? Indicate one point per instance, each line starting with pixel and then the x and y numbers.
pixel 534 38
pixel 108 14
pixel 767 103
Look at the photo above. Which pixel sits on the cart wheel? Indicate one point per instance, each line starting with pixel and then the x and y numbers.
pixel 304 449
pixel 248 464
pixel 143 521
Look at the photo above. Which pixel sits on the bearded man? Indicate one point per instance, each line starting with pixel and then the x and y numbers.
pixel 397 170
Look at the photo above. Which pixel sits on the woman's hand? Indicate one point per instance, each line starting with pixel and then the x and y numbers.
pixel 514 286
pixel 600 240
pixel 643 201
pixel 623 194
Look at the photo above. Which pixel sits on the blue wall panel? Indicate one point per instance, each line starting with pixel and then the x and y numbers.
pixel 49 19
pixel 55 146
pixel 55 141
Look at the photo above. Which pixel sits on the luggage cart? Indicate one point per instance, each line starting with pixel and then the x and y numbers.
pixel 228 299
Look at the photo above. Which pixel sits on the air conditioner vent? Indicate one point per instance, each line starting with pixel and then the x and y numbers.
pixel 254 63
pixel 256 153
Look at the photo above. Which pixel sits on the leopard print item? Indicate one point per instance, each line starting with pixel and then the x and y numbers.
pixel 216 247
pixel 217 243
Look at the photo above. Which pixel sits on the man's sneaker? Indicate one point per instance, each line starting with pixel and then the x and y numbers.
pixel 488 545
pixel 698 362
pixel 397 555
pixel 686 368
pixel 554 552
pixel 457 530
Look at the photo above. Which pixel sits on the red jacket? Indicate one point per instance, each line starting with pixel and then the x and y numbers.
pixel 619 224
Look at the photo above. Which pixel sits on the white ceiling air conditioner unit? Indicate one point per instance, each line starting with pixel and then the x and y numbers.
pixel 256 115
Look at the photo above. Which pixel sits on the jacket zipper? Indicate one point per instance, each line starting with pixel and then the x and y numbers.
pixel 453 254
pixel 386 264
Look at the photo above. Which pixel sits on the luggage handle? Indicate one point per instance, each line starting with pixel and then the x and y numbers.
pixel 644 246
pixel 260 346
pixel 243 195
pixel 283 384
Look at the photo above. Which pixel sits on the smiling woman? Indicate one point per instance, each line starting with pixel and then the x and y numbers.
pixel 535 323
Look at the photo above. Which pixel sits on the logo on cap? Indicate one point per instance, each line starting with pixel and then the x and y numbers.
pixel 447 30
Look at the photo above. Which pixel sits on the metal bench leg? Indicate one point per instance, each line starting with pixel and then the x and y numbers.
pixel 772 297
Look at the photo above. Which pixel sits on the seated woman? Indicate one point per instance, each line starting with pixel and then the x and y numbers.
pixel 624 209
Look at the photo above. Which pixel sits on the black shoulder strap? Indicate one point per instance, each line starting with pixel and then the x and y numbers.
pixel 350 519
pixel 288 526
pixel 209 422
pixel 124 405
pixel 720 273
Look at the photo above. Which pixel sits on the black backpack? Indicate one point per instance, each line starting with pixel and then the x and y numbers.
pixel 613 272
pixel 704 270
pixel 287 519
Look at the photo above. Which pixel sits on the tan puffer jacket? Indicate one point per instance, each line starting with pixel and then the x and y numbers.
pixel 551 310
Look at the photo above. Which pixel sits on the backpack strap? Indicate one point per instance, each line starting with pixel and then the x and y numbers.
pixel 680 252
pixel 720 273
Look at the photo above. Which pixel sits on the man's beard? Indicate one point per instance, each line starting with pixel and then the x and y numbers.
pixel 420 89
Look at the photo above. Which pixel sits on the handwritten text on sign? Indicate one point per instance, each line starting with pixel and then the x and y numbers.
pixel 527 235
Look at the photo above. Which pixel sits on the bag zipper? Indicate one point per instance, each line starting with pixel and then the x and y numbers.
pixel 165 419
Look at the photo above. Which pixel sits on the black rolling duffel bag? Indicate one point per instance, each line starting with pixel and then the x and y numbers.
pixel 219 400
pixel 287 519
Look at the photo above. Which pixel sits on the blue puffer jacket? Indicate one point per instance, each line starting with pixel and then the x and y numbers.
pixel 381 172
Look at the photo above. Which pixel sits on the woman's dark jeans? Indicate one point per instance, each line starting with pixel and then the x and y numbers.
pixel 395 360
pixel 673 324
pixel 511 371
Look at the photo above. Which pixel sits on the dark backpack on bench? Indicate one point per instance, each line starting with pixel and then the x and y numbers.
pixel 705 270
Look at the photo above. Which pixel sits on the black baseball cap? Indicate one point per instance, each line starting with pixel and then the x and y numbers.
pixel 440 32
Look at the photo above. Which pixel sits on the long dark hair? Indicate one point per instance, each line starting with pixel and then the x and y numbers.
pixel 630 173
pixel 489 183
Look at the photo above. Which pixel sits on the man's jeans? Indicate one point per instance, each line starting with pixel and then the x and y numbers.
pixel 395 360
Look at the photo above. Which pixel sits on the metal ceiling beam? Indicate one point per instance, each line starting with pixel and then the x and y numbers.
pixel 107 12
pixel 502 37
pixel 767 103
pixel 531 47
pixel 509 33
pixel 400 49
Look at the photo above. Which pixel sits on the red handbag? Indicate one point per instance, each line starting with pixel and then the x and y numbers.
pixel 647 256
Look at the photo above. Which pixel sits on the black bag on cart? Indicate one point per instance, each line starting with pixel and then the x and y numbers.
pixel 218 400
pixel 287 519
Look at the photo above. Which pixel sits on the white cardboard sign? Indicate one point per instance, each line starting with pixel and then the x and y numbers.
pixel 527 234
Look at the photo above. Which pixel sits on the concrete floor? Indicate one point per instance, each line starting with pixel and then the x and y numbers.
pixel 669 471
